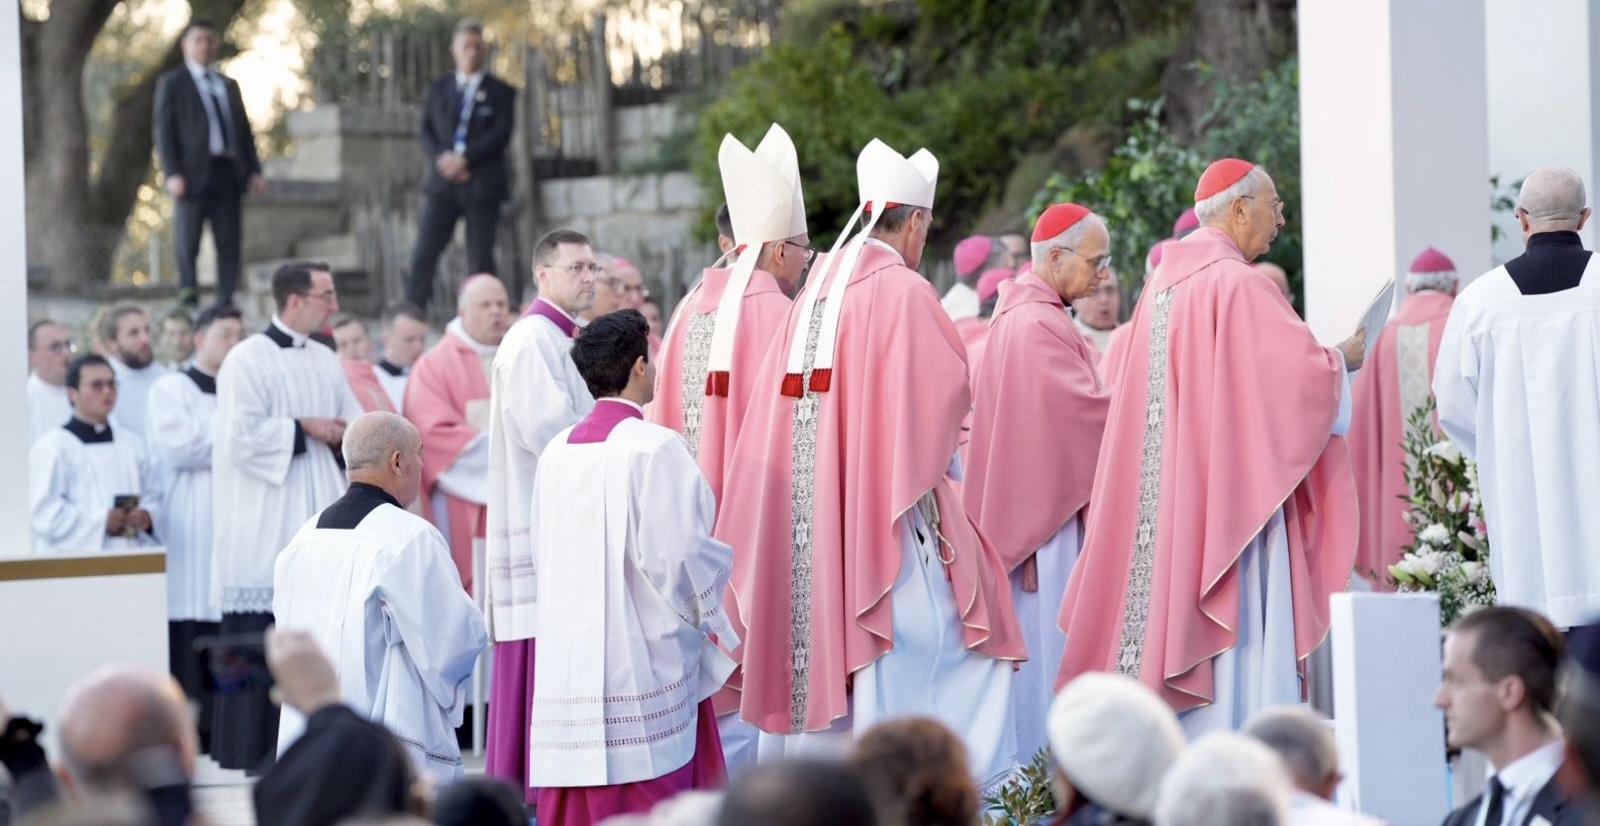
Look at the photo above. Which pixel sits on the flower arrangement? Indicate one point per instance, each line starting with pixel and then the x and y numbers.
pixel 1025 798
pixel 1449 553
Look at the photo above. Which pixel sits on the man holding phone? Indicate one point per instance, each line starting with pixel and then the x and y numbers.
pixel 91 488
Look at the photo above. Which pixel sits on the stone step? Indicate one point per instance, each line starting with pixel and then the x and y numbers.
pixel 338 250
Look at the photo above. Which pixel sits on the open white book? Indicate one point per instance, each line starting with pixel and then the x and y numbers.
pixel 1377 314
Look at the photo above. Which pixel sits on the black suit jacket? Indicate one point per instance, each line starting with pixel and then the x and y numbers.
pixel 183 131
pixel 1551 804
pixel 488 134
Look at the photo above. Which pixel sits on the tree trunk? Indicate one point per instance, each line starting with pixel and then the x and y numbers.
pixel 75 225
pixel 1237 40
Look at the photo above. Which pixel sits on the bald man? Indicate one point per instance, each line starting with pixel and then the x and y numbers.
pixel 1517 380
pixel 128 730
pixel 374 585
pixel 1277 276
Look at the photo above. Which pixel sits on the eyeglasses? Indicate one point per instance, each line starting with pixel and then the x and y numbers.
pixel 1106 290
pixel 807 254
pixel 577 270
pixel 330 295
pixel 616 285
pixel 1100 262
pixel 61 347
pixel 1275 203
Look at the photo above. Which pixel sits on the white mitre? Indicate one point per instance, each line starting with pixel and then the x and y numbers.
pixel 765 204
pixel 885 179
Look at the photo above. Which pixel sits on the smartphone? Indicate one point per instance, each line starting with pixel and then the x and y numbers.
pixel 236 662
pixel 125 502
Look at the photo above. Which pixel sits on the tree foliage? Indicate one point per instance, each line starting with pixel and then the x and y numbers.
pixel 1150 177
pixel 941 79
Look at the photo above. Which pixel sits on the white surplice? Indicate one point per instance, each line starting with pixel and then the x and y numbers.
pixel 73 484
pixel 180 421
pixel 394 385
pixel 1262 668
pixel 264 490
pixel 48 407
pixel 1517 382
pixel 630 591
pixel 133 391
pixel 535 391
pixel 1039 612
pixel 383 600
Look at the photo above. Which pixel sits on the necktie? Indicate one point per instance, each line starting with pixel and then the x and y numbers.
pixel 1494 804
pixel 463 115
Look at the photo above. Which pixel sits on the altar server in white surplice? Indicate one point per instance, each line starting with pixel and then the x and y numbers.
pixel 630 599
pixel 534 392
pixel 49 355
pixel 282 406
pixel 91 487
pixel 374 584
pixel 1518 385
pixel 182 411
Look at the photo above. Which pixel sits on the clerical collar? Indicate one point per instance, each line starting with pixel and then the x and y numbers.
pixel 283 336
pixel 203 380
pixel 1558 238
pixel 361 499
pixel 197 70
pixel 606 415
pixel 878 243
pixel 391 368
pixel 88 433
pixel 555 315
pixel 459 330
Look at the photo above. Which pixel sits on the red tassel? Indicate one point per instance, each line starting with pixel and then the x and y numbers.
pixel 717 383
pixel 793 386
pixel 821 380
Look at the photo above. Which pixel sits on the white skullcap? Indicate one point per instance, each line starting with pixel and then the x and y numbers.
pixel 1114 740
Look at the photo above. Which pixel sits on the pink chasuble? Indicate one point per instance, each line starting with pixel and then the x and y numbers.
pixel 708 411
pixel 1038 413
pixel 363 382
pixel 443 381
pixel 1396 380
pixel 1221 408
pixel 815 488
pixel 684 401
pixel 974 331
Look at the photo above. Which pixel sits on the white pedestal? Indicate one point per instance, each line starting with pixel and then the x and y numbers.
pixel 1386 666
pixel 64 617
pixel 1393 147
pixel 1542 96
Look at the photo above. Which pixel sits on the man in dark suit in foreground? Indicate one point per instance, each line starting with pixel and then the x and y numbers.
pixel 208 155
pixel 466 125
pixel 1498 696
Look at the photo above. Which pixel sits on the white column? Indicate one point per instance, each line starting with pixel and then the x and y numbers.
pixel 1386 667
pixel 15 537
pixel 1542 96
pixel 1393 146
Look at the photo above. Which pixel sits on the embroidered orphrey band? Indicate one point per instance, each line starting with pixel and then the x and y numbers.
pixel 801 497
pixel 1136 605
pixel 696 359
pixel 1411 352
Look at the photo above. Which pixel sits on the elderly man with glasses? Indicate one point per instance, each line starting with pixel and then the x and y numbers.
pixel 50 352
pixel 534 393
pixel 1225 510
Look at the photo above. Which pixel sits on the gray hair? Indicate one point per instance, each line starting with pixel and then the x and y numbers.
pixel 1553 198
pixel 1302 740
pixel 1443 282
pixel 1224 779
pixel 1214 209
pixel 1070 237
pixel 373 437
